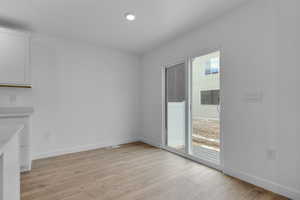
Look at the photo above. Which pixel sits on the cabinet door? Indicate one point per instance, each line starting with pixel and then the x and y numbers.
pixel 14 57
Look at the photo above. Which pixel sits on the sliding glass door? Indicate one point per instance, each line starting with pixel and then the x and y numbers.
pixel 192 108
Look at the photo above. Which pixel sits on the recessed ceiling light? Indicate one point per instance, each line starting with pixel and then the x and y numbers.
pixel 129 16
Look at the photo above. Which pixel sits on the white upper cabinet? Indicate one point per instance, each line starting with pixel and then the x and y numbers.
pixel 14 58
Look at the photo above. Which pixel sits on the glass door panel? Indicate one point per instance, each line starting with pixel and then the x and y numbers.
pixel 175 94
pixel 205 104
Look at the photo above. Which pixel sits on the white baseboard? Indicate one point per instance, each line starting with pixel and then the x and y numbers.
pixel 25 169
pixel 150 143
pixel 263 183
pixel 79 149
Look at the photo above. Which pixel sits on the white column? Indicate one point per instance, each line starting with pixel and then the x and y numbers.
pixel 10 170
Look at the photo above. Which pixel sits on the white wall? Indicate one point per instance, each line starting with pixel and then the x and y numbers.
pixel 84 96
pixel 260 139
pixel 288 125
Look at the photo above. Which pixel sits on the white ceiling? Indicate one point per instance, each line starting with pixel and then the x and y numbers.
pixel 102 22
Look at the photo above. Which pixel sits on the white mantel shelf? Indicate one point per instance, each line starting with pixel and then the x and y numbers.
pixel 18 111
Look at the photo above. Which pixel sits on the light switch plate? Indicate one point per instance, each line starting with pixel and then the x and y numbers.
pixel 253 97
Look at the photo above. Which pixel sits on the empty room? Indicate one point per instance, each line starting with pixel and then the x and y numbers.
pixel 149 100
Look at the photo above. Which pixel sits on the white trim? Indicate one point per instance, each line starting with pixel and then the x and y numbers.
pixel 143 140
pixel 25 169
pixel 163 106
pixel 264 183
pixel 172 64
pixel 15 112
pixel 79 149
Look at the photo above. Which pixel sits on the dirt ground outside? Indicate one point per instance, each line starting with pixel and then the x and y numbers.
pixel 206 133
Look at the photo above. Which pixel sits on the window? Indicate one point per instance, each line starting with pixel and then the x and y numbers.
pixel 212 66
pixel 210 97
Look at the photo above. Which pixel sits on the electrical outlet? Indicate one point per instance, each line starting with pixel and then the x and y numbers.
pixel 271 154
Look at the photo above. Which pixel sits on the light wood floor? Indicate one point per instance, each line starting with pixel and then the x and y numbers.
pixel 134 172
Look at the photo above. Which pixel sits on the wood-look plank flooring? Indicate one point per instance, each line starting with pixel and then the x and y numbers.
pixel 135 171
